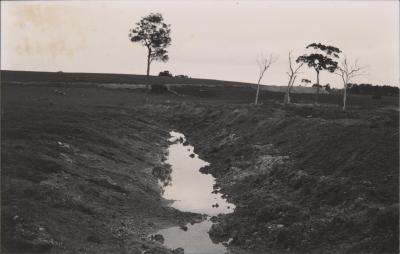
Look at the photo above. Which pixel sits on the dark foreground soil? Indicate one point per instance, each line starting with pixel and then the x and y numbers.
pixel 78 162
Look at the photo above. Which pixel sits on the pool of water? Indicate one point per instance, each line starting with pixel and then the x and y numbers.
pixel 195 240
pixel 191 191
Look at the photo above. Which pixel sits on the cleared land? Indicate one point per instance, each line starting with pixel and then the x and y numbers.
pixel 77 163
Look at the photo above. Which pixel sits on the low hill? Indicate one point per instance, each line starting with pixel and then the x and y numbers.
pixel 131 79
pixel 34 76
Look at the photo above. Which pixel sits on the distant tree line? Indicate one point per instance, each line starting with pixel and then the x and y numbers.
pixel 369 89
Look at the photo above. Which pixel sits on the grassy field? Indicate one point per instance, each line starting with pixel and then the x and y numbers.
pixel 198 88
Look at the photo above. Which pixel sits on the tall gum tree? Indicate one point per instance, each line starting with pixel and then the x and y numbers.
pixel 320 60
pixel 154 34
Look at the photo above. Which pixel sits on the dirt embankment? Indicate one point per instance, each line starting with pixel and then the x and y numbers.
pixel 303 179
pixel 77 171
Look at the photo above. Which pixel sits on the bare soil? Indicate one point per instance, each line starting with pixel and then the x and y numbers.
pixel 77 169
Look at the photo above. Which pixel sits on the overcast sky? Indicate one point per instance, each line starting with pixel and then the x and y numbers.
pixel 214 39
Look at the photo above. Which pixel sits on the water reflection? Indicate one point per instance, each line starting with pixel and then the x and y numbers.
pixel 194 240
pixel 191 191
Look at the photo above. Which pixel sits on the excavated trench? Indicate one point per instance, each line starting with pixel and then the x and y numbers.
pixel 78 175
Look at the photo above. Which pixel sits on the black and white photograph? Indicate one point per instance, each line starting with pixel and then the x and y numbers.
pixel 200 127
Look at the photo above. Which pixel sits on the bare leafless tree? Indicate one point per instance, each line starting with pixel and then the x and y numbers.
pixel 347 72
pixel 292 73
pixel 263 63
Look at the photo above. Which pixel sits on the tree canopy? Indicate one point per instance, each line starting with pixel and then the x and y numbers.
pixel 330 50
pixel 322 59
pixel 318 62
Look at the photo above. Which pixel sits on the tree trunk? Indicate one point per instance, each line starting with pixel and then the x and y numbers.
pixel 344 97
pixel 286 99
pixel 148 70
pixel 258 91
pixel 317 93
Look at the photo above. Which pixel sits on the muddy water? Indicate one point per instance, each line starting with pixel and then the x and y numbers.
pixel 192 191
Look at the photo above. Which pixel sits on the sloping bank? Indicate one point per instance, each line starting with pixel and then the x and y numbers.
pixel 302 179
pixel 78 179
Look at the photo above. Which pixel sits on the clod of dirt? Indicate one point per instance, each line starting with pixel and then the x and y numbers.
pixel 214 219
pixel 178 251
pixel 217 233
pixel 158 238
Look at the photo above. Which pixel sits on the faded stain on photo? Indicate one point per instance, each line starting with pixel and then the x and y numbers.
pixel 200 127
